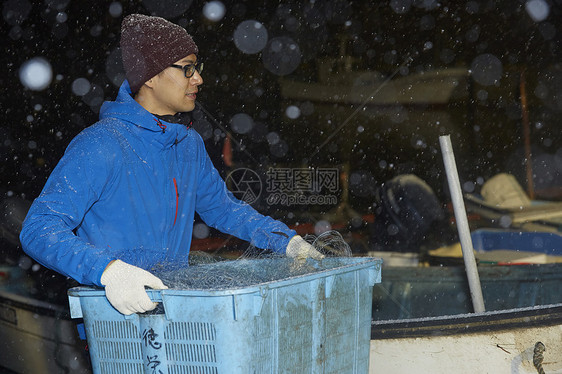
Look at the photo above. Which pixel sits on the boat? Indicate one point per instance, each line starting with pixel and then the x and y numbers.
pixel 37 335
pixel 436 87
pixel 521 340
pixel 423 320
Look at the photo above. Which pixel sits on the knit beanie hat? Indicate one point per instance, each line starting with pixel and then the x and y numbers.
pixel 150 45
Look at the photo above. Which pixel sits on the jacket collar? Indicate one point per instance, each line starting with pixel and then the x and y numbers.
pixel 155 130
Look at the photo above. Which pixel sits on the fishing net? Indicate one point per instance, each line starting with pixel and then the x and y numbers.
pixel 253 267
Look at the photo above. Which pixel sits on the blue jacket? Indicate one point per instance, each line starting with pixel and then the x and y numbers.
pixel 127 188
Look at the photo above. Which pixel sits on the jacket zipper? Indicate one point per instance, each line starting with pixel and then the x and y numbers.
pixel 177 200
pixel 161 125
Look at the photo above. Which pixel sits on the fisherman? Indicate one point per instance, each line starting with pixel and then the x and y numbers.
pixel 124 195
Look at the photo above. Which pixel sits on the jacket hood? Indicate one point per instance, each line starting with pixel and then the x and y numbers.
pixel 129 112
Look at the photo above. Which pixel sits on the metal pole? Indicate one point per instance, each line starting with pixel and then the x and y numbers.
pixel 462 224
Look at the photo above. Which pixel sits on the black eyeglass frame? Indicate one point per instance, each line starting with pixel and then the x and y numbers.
pixel 198 66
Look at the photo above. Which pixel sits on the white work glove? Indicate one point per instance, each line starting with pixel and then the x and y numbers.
pixel 124 287
pixel 301 249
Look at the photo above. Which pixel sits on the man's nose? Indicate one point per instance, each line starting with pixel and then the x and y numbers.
pixel 196 79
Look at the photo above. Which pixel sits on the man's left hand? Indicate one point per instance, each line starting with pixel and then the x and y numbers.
pixel 301 249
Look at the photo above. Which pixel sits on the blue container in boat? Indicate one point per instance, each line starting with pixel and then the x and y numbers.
pixel 549 243
pixel 318 322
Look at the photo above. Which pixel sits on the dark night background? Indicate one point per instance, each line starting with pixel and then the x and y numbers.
pixel 509 50
pixel 80 40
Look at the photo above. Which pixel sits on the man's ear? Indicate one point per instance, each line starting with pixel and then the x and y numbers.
pixel 142 92
pixel 150 83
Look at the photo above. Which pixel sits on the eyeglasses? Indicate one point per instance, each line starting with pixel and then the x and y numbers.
pixel 189 69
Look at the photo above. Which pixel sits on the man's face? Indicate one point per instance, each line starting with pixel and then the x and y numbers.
pixel 172 91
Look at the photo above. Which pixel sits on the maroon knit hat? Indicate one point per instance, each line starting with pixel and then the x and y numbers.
pixel 151 44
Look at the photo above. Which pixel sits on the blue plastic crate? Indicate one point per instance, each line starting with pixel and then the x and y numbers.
pixel 529 241
pixel 314 323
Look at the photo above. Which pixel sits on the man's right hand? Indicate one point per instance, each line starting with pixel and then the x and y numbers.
pixel 124 287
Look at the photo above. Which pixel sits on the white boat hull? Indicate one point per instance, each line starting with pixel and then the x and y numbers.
pixel 504 347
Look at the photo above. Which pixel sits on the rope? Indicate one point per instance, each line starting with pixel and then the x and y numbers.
pixel 538 357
